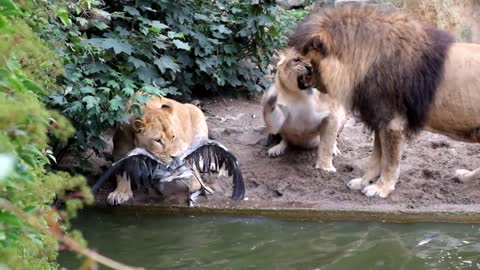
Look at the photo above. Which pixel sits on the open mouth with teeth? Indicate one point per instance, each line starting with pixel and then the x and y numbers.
pixel 305 80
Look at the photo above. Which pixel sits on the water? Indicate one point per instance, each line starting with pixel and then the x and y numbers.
pixel 160 242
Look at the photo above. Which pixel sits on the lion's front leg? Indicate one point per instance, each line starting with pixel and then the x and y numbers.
pixel 328 138
pixel 122 193
pixel 373 170
pixel 391 141
pixel 466 175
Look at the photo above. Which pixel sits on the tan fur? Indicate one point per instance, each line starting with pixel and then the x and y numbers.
pixel 166 128
pixel 305 118
pixel 455 109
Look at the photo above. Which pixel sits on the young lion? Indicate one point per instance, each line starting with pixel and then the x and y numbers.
pixel 298 112
pixel 166 129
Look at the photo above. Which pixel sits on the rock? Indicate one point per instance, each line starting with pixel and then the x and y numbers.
pixel 215 133
pixel 232 130
pixel 290 4
pixel 439 196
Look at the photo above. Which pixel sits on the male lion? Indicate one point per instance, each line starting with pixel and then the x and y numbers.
pixel 399 76
pixel 298 112
pixel 166 129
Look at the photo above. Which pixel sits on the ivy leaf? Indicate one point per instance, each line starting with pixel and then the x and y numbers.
pixel 91 101
pixel 160 45
pixel 74 107
pixel 137 63
pixel 128 91
pixel 166 62
pixel 81 21
pixel 153 90
pixel 62 13
pixel 87 90
pixel 115 104
pixel 181 45
pixel 58 99
pixel 113 84
pixel 230 49
pixel 173 34
pixel 201 17
pixel 99 25
pixel 159 26
pixel 131 10
pixel 118 46
pixel 141 99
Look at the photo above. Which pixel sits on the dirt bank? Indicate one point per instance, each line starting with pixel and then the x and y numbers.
pixel 290 181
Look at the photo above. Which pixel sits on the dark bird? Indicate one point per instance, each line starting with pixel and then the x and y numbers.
pixel 146 170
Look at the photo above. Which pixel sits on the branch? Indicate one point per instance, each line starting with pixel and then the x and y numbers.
pixel 68 241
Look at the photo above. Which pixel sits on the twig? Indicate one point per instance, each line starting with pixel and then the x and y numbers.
pixel 71 243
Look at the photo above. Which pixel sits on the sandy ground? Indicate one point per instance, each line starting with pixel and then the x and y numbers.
pixel 290 181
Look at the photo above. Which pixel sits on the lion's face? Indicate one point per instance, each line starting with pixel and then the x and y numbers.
pixel 155 132
pixel 294 70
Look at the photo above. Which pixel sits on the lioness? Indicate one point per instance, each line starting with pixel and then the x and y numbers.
pixel 399 76
pixel 166 129
pixel 298 112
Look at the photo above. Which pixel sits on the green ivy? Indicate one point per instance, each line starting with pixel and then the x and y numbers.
pixel 24 153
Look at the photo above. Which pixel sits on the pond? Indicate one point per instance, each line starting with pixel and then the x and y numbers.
pixel 212 242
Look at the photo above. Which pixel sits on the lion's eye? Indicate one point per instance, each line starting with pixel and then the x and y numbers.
pixel 159 141
pixel 173 137
pixel 296 60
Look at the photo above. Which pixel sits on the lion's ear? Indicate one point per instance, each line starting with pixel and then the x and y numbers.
pixel 167 107
pixel 316 43
pixel 139 125
pixel 274 60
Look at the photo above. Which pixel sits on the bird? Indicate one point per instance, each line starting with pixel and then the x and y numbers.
pixel 146 170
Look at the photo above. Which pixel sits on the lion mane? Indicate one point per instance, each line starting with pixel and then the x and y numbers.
pixel 372 54
pixel 399 76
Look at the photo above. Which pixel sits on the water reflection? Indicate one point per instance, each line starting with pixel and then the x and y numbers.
pixel 259 243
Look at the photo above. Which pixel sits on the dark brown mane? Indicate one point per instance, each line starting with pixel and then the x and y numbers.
pixel 395 61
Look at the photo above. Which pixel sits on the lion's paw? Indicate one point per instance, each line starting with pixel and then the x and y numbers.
pixel 277 150
pixel 327 168
pixel 117 197
pixel 463 175
pixel 376 190
pixel 356 184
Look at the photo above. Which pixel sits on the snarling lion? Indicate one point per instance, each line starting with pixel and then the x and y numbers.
pixel 300 113
pixel 166 129
pixel 398 76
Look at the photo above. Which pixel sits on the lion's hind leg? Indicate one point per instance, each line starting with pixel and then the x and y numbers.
pixel 466 175
pixel 122 193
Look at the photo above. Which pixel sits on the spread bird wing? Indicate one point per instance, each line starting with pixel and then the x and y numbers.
pixel 140 165
pixel 204 154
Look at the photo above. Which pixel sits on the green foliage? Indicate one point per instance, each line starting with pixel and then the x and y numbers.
pixel 24 121
pixel 287 22
pixel 114 49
